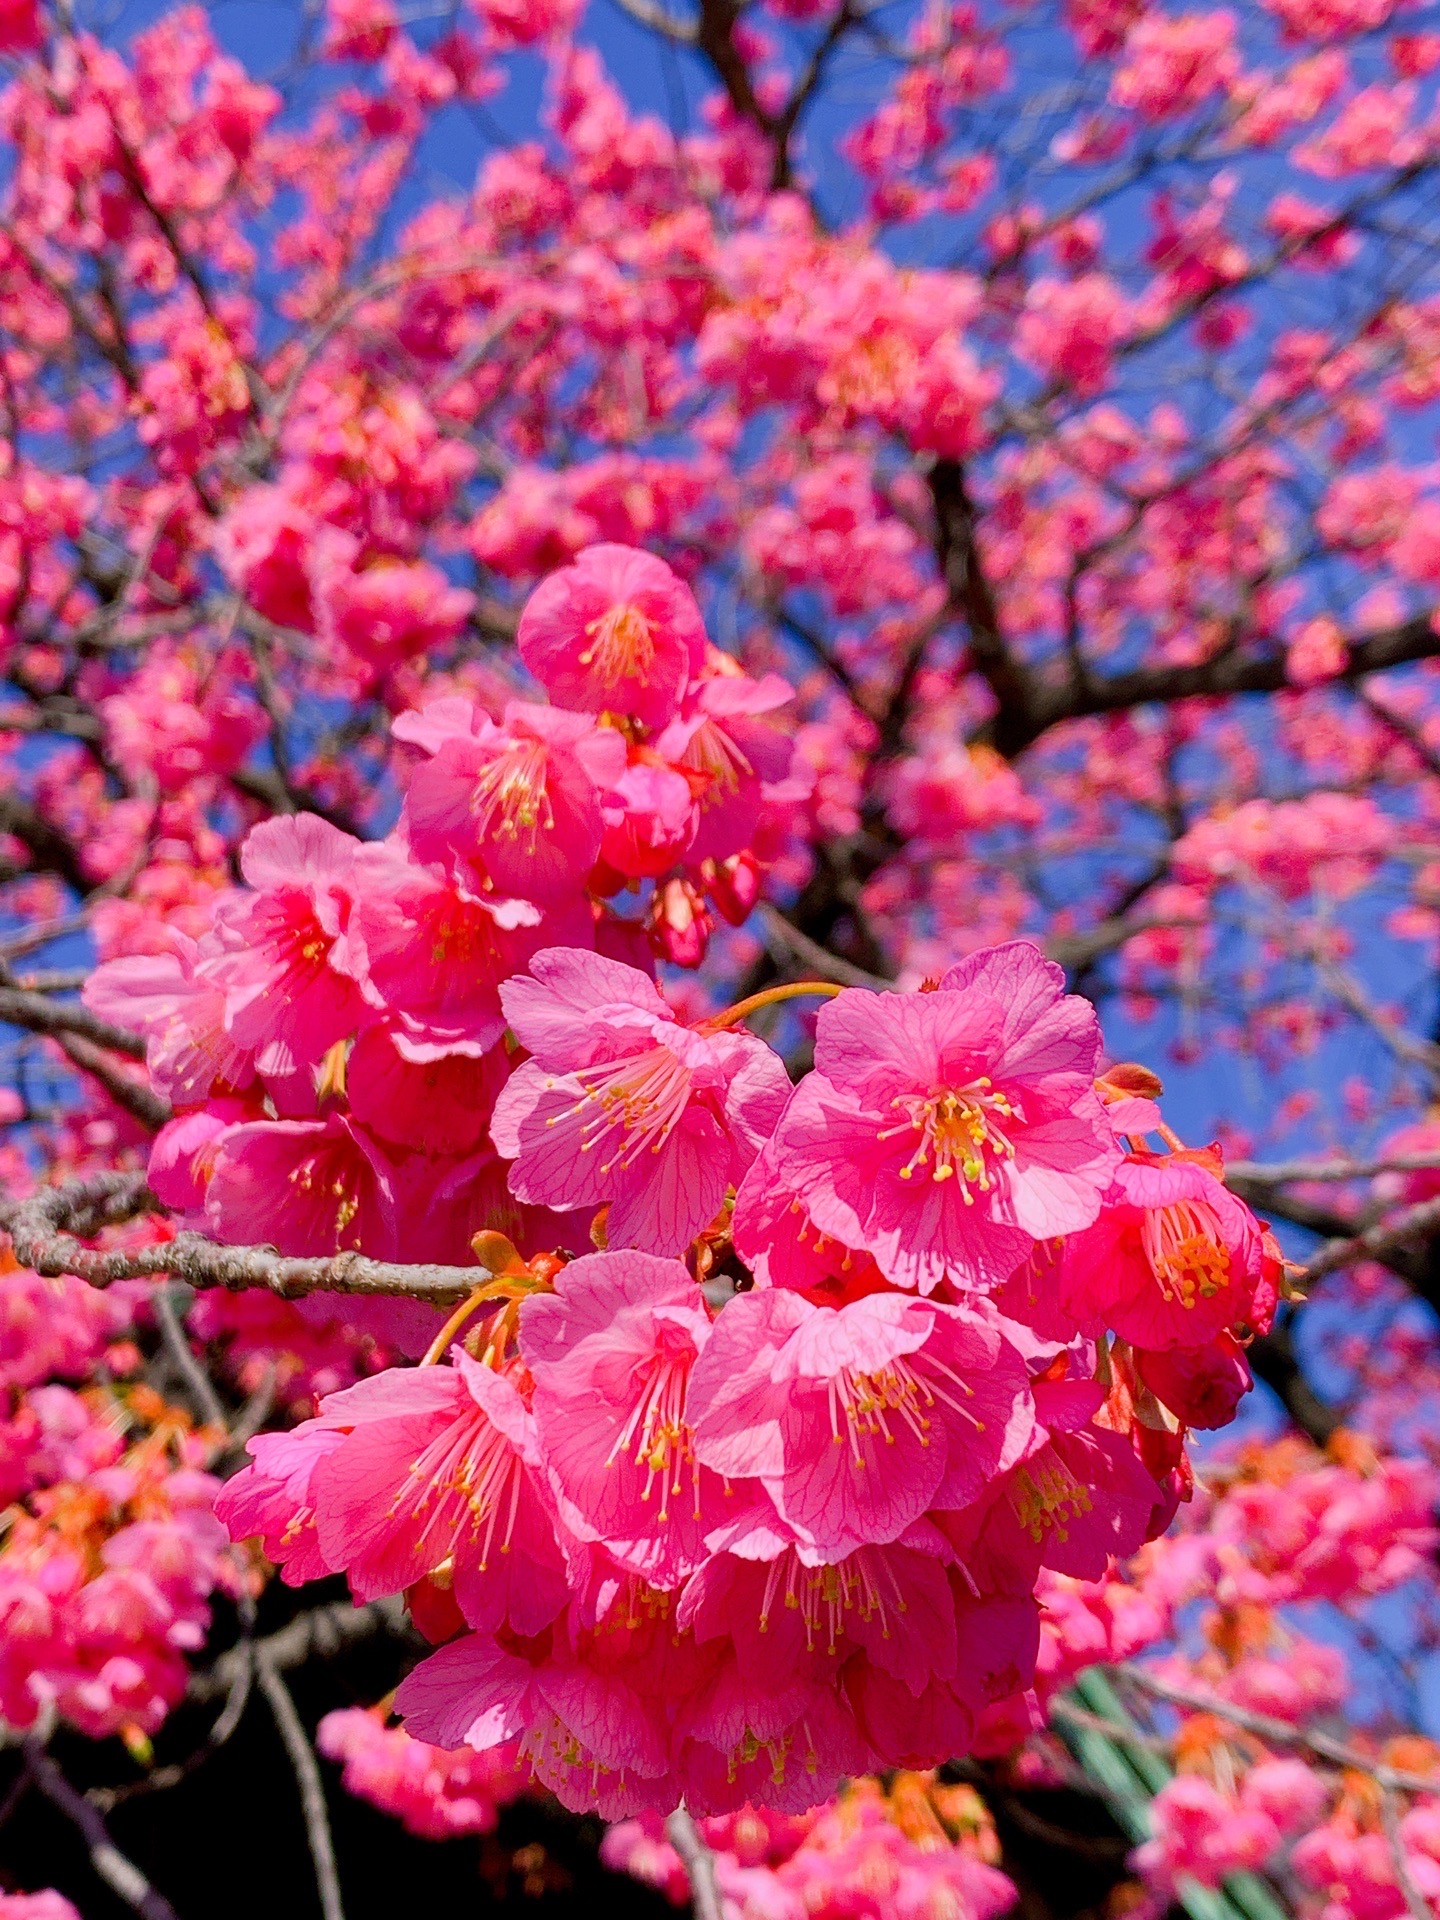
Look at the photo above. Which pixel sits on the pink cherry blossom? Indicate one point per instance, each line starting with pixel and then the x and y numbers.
pixel 946 1132
pixel 724 740
pixel 173 999
pixel 856 1420
pixel 611 1351
pixel 617 631
pixel 513 807
pixel 436 1793
pixel 285 1000
pixel 585 1732
pixel 623 1104
pixel 1173 1259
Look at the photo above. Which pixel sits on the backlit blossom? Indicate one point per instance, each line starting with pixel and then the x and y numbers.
pixel 622 1104
pixel 946 1132
pixel 615 631
pixel 857 1419
pixel 1173 1259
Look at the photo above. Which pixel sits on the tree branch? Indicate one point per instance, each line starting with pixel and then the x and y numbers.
pixel 147 1106
pixel 970 596
pixel 699 1863
pixel 320 1633
pixel 1272 1359
pixel 312 1787
pixel 1055 695
pixel 1281 1733
pixel 37 1013
pixel 1410 1229
pixel 43 1230
pixel 49 849
pixel 118 1872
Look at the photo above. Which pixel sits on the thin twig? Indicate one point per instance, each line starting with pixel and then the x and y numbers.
pixel 1415 1901
pixel 1281 1733
pixel 224 1725
pixel 118 1872
pixel 256 1410
pixel 828 965
pixel 699 1863
pixel 320 1633
pixel 177 1345
pixel 312 1787
pixel 1279 1173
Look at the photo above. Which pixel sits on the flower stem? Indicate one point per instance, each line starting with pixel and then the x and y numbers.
pixel 453 1325
pixel 770 997
pixel 501 1286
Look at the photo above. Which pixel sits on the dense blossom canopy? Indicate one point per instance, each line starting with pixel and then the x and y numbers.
pixel 642 644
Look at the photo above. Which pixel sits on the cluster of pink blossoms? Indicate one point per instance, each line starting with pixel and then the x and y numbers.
pixel 1280 1537
pixel 109 1556
pixel 334 1043
pixel 756 1495
pixel 914 1850
pixel 436 1793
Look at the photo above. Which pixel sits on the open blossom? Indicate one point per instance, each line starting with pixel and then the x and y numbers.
pixel 892 1605
pixel 175 1001
pixel 856 1420
pixel 946 1132
pixel 513 807
pixel 306 1186
pixel 587 1733
pixel 432 953
pixel 611 1351
pixel 724 740
pixel 615 631
pixel 623 1104
pixel 285 999
pixel 412 1473
pixel 1173 1260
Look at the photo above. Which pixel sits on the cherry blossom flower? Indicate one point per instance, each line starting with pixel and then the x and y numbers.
pixel 946 1132
pixel 1173 1259
pixel 623 1104
pixel 513 808
pixel 856 1420
pixel 615 631
pixel 286 1001
pixel 407 1474
pixel 611 1351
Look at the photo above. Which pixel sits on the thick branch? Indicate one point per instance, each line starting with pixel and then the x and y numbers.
pixel 1410 1230
pixel 715 37
pixel 43 1230
pixel 958 552
pixel 147 1106
pixel 1056 694
pixel 1272 1359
